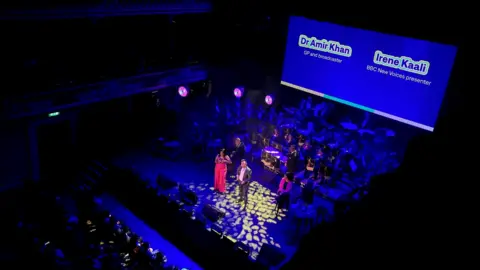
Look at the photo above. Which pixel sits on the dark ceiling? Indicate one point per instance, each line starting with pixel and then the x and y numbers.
pixel 249 30
pixel 440 22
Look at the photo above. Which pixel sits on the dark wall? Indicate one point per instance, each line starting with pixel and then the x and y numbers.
pixel 14 154
pixel 55 148
pixel 107 128
pixel 41 55
pixel 103 127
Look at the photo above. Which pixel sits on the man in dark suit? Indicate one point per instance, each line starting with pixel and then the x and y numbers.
pixel 244 175
pixel 237 154
pixel 292 159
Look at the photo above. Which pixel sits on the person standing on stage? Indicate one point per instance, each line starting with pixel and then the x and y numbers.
pixel 237 154
pixel 286 185
pixel 244 175
pixel 221 162
pixel 292 159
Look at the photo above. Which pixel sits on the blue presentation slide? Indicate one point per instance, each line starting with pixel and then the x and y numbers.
pixel 396 77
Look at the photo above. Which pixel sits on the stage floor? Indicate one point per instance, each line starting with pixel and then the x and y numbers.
pixel 255 225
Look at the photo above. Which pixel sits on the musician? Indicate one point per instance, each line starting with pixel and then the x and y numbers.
pixel 320 154
pixel 308 104
pixel 326 115
pixel 324 172
pixel 309 167
pixel 308 192
pixel 289 140
pixel 275 135
pixel 239 152
pixel 306 144
pixel 366 120
pixel 244 175
pixel 237 155
pixel 286 185
pixel 292 159
pixel 307 149
pixel 319 158
pixel 301 140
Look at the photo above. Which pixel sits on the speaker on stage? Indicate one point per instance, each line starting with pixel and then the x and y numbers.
pixel 270 256
pixel 212 213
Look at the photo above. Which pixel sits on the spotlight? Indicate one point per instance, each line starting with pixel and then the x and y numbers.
pixel 183 91
pixel 268 100
pixel 238 92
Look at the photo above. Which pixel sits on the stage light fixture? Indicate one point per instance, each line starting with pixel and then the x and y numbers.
pixel 183 91
pixel 238 92
pixel 268 100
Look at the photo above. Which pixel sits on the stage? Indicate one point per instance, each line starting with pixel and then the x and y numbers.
pixel 254 225
pixel 184 151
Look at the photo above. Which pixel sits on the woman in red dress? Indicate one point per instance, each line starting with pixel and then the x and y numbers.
pixel 221 162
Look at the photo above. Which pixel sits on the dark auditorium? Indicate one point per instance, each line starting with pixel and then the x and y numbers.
pixel 208 134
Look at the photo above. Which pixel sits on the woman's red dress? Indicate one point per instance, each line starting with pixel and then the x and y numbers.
pixel 220 174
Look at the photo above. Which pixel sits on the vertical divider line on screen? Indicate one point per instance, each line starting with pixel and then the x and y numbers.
pixel 393 117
